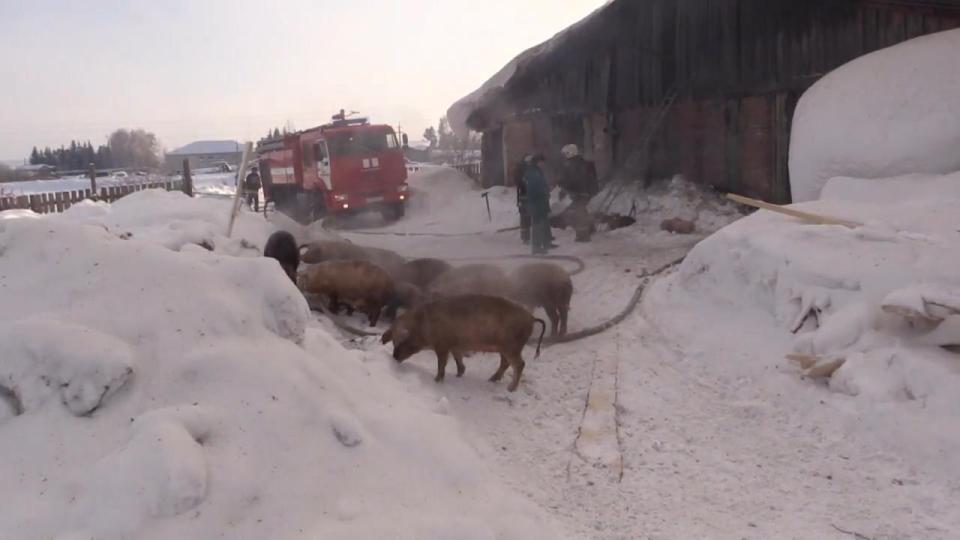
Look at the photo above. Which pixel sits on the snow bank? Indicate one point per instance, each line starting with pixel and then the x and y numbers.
pixel 893 190
pixel 173 220
pixel 674 198
pixel 152 393
pixel 883 297
pixel 224 184
pixel 889 113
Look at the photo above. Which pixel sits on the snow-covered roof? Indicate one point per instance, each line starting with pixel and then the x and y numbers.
pixel 460 111
pixel 208 147
pixel 40 167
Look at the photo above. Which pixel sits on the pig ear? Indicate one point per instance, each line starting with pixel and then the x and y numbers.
pixel 387 336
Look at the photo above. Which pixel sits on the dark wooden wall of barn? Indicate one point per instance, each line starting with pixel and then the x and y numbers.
pixel 738 67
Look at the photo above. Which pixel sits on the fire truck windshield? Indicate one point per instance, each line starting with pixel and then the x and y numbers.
pixel 360 143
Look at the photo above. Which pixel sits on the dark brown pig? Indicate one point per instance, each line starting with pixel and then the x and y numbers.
pixel 466 323
pixel 360 284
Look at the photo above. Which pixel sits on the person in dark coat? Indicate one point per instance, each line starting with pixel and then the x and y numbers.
pixel 579 180
pixel 251 188
pixel 538 205
pixel 518 181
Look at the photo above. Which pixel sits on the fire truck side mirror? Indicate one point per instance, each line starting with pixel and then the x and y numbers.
pixel 406 140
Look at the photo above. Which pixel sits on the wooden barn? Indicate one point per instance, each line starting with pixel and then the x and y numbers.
pixel 703 88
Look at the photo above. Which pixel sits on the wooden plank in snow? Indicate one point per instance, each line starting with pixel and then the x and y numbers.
pixel 598 441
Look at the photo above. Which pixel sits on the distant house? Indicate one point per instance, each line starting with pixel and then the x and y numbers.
pixel 205 154
pixel 36 172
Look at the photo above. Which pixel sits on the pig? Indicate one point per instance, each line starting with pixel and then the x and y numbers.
pixel 331 250
pixel 406 296
pixel 335 250
pixel 472 279
pixel 360 284
pixel 545 285
pixel 678 226
pixel 471 322
pixel 390 261
pixel 422 272
pixel 282 246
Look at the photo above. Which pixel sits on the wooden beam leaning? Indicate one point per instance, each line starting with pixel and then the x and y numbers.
pixel 805 216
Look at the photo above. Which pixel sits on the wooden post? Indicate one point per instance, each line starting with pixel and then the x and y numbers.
pixel 241 172
pixel 23 202
pixel 187 179
pixel 92 172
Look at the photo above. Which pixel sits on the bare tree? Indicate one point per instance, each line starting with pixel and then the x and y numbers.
pixel 134 148
pixel 430 135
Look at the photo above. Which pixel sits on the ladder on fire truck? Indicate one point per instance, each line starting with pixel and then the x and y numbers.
pixel 639 160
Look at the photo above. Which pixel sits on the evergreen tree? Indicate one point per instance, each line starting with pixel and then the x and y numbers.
pixel 35 156
pixel 104 159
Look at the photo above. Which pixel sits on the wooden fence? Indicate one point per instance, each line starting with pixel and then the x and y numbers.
pixel 470 169
pixel 46 203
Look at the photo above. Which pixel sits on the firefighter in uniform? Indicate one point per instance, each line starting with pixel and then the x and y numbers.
pixel 579 180
pixel 518 181
pixel 538 205
pixel 251 187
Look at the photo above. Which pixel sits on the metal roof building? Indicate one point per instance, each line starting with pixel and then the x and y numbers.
pixel 205 154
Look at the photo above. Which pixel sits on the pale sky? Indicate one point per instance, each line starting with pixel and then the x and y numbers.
pixel 232 69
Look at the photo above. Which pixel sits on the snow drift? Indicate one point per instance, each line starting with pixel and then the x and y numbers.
pixel 889 113
pixel 782 286
pixel 150 389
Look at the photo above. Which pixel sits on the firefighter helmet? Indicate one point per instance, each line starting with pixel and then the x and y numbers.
pixel 570 151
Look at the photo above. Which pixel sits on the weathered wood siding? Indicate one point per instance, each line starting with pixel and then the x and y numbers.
pixel 738 66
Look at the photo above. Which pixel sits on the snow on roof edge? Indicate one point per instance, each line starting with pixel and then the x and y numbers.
pixel 208 147
pixel 458 113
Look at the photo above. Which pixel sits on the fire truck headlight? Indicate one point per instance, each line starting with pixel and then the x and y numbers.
pixel 403 197
pixel 346 206
pixel 339 198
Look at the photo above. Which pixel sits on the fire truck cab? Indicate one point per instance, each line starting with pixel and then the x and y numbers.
pixel 342 167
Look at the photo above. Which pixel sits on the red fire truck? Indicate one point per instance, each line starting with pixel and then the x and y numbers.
pixel 346 166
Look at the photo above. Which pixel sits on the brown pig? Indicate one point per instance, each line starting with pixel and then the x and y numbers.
pixel 466 323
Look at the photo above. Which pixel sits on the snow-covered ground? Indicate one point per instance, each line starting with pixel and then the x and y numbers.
pixel 215 184
pixel 70 183
pixel 154 389
pixel 721 436
pixel 878 441
pixel 204 184
pixel 221 407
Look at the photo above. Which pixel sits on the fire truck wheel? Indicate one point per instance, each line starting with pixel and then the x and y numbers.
pixel 393 212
